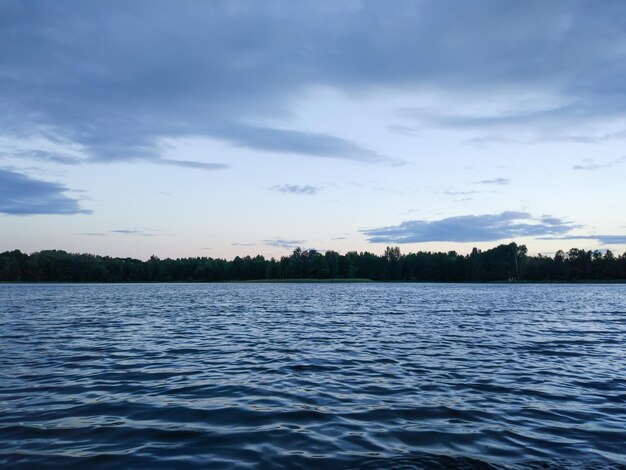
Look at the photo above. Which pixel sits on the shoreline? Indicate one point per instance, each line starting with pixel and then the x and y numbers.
pixel 319 281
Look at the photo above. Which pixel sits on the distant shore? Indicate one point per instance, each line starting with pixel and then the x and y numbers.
pixel 319 281
pixel 502 264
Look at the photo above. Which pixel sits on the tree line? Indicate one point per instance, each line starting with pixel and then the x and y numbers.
pixel 508 262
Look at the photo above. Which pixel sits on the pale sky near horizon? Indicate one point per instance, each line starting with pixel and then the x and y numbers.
pixel 229 128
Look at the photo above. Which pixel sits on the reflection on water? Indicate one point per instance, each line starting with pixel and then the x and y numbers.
pixel 302 375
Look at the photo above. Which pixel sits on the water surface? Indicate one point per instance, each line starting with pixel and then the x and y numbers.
pixel 313 375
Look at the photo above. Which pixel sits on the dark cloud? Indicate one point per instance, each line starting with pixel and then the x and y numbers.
pixel 113 78
pixel 610 239
pixel 550 220
pixel 278 140
pixel 23 195
pixel 591 165
pixel 137 77
pixel 498 181
pixel 470 228
pixel 296 189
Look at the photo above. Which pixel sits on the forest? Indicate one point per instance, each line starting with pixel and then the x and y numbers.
pixel 507 262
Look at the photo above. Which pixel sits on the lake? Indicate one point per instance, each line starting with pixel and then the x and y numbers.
pixel 313 375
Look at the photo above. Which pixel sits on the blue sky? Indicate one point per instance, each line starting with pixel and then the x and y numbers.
pixel 229 127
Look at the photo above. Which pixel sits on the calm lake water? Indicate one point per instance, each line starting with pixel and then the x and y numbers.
pixel 313 375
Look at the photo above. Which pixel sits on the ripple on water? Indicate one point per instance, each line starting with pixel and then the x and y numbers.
pixel 298 376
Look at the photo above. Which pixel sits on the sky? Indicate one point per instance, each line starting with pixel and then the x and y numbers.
pixel 229 128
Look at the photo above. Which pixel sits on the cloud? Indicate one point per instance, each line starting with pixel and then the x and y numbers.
pixel 591 165
pixel 23 195
pixel 7 149
pixel 609 239
pixel 498 181
pixel 191 164
pixel 450 192
pixel 296 189
pixel 577 121
pixel 276 243
pixel 603 239
pixel 135 80
pixel 284 244
pixel 514 118
pixel 539 135
pixel 470 228
pixel 143 233
pixel 138 76
pixel 40 155
pixel 278 140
